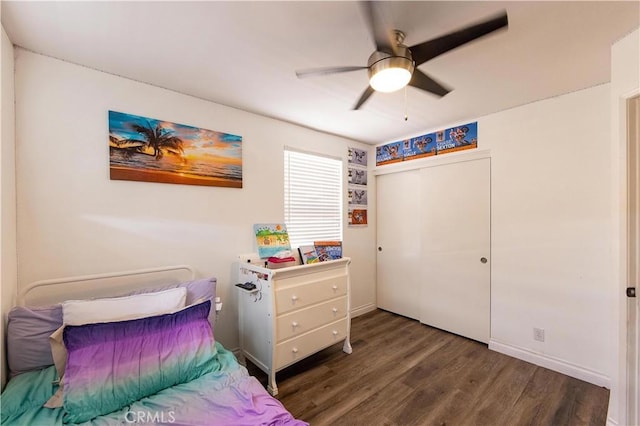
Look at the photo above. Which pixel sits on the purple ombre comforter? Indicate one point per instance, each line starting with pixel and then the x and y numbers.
pixel 227 396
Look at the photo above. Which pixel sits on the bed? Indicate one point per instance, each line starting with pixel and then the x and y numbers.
pixel 137 348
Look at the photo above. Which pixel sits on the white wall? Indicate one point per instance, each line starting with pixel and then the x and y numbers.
pixel 551 231
pixel 558 170
pixel 74 220
pixel 8 269
pixel 625 83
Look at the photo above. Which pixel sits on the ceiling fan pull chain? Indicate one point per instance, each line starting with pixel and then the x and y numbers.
pixel 406 115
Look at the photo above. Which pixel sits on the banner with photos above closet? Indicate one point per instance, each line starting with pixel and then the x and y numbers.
pixel 453 139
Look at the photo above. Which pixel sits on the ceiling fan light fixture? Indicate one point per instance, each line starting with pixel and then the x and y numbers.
pixel 388 73
pixel 390 79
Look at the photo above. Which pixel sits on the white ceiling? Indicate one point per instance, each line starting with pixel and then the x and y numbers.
pixel 244 54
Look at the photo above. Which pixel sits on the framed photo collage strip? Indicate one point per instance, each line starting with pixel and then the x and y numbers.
pixel 357 187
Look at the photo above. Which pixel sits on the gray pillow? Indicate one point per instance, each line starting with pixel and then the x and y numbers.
pixel 28 331
pixel 29 328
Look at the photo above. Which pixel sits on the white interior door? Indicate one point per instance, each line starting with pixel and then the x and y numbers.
pixel 633 262
pixel 398 219
pixel 455 243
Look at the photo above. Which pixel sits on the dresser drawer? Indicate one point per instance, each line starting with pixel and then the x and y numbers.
pixel 303 320
pixel 299 347
pixel 299 296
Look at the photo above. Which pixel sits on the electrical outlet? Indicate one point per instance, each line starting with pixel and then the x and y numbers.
pixel 538 334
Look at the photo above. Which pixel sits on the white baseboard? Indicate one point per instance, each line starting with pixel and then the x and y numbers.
pixel 552 363
pixel 611 422
pixel 360 310
pixel 237 353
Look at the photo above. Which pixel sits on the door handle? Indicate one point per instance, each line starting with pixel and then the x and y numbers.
pixel 483 259
pixel 631 292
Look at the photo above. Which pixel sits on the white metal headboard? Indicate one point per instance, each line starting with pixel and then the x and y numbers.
pixel 57 290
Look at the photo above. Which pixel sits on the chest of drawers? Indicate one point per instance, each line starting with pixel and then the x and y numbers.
pixel 293 313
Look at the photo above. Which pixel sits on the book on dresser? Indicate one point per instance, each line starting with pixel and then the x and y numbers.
pixel 308 254
pixel 292 313
pixel 328 250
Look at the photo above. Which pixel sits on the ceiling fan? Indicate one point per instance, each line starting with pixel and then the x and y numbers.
pixel 393 65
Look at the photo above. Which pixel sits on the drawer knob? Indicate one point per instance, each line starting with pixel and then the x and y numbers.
pixel 335 332
pixel 294 350
pixel 335 287
pixel 294 298
pixel 294 324
pixel 335 310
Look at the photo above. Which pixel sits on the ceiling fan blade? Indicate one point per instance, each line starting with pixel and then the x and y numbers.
pixel 382 37
pixel 422 81
pixel 325 71
pixel 430 49
pixel 365 95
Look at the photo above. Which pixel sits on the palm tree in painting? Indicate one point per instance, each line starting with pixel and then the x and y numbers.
pixel 158 138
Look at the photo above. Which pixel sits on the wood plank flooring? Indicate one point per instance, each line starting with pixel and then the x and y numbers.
pixel 404 373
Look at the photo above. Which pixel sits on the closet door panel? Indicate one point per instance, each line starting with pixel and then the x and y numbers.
pixel 455 241
pixel 398 235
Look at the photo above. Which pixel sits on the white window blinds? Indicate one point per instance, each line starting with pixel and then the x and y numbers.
pixel 312 197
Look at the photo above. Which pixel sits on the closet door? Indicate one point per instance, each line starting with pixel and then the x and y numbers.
pixel 398 234
pixel 455 273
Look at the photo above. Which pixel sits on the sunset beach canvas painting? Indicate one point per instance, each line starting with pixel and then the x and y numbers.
pixel 151 150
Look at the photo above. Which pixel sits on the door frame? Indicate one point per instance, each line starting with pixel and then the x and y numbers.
pixel 632 260
pixel 437 160
pixel 619 399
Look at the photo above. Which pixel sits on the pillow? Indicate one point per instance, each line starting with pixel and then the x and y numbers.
pixel 28 331
pixel 111 365
pixel 29 328
pixel 197 290
pixel 79 312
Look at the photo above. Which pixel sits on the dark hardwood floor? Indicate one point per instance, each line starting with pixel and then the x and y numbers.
pixel 404 373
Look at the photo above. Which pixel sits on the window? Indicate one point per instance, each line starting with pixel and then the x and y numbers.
pixel 312 197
